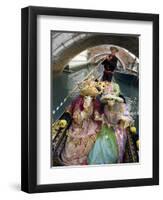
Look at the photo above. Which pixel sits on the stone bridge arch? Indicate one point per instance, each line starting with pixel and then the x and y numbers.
pixel 67 45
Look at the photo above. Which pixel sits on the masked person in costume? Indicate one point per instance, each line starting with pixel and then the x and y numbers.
pixel 117 116
pixel 86 122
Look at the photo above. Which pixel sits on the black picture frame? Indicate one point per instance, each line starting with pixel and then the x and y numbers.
pixel 29 98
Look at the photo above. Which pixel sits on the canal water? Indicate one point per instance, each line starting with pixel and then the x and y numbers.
pixel 63 84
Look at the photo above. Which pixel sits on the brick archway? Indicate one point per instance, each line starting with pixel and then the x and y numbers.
pixel 67 45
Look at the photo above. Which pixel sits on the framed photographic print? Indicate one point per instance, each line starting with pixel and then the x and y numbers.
pixel 90 99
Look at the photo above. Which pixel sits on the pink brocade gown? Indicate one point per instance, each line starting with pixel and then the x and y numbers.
pixel 82 133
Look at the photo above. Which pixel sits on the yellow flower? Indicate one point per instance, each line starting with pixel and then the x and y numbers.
pixel 137 144
pixel 133 129
pixel 62 123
